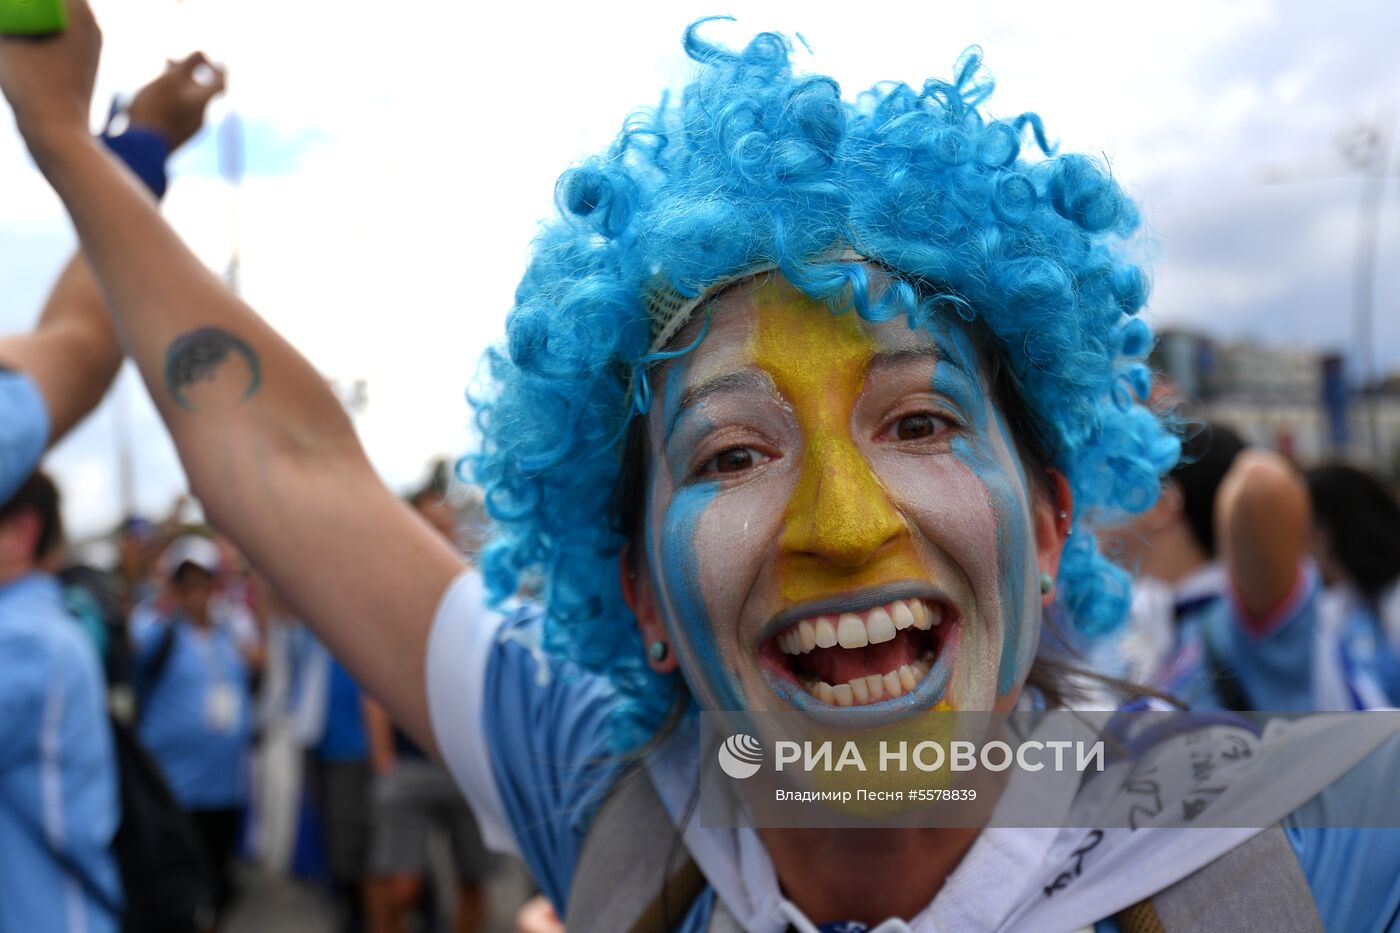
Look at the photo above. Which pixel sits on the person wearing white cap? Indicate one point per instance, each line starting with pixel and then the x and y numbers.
pixel 193 685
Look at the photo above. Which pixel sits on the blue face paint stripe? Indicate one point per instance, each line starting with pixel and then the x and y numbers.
pixel 674 392
pixel 680 568
pixel 676 563
pixel 1014 586
pixel 976 454
pixel 953 385
pixel 1010 559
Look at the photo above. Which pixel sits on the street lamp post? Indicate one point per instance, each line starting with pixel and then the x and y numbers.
pixel 1366 148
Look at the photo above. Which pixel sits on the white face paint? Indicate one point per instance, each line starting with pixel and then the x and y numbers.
pixel 837 515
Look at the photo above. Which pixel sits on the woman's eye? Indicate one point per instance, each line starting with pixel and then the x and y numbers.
pixel 914 427
pixel 733 460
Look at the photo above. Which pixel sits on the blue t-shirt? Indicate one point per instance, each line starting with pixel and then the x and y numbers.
pixel 196 719
pixel 526 738
pixel 344 738
pixel 58 780
pixel 326 702
pixel 24 430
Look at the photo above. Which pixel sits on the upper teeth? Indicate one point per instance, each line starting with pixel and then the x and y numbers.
pixel 858 629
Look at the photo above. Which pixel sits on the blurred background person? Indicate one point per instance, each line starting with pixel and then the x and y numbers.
pixel 277 758
pixel 1225 610
pixel 194 675
pixel 1171 550
pixel 58 781
pixel 331 723
pixel 414 797
pixel 137 547
pixel 1356 543
pixel 234 605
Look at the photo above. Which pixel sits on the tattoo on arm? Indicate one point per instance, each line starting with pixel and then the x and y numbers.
pixel 199 355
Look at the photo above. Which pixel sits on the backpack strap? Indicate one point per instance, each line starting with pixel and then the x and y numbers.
pixel 1256 886
pixel 149 674
pixel 1229 687
pixel 633 873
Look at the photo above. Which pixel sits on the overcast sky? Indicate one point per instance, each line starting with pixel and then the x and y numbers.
pixel 398 164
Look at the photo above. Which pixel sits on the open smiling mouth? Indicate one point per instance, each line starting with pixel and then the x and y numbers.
pixel 857 658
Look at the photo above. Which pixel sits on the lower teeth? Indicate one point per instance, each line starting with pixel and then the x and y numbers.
pixel 873 688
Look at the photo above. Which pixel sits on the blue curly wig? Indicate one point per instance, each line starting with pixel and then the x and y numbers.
pixel 757 165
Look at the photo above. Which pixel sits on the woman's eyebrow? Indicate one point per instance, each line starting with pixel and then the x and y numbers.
pixel 930 352
pixel 743 380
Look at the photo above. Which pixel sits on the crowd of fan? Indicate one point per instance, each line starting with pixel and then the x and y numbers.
pixel 241 739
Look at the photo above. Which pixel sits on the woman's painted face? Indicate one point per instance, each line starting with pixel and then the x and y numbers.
pixel 837 515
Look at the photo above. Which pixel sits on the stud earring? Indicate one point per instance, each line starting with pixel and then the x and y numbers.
pixel 1047 584
pixel 658 650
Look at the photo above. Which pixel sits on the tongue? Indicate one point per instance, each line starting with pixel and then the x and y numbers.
pixel 839 665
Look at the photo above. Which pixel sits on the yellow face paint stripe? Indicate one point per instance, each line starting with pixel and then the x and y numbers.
pixel 839 514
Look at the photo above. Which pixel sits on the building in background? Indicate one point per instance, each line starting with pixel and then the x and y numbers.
pixel 1297 401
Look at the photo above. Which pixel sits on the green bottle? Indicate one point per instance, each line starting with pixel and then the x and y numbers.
pixel 32 17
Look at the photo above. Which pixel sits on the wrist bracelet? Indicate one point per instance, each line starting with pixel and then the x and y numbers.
pixel 145 153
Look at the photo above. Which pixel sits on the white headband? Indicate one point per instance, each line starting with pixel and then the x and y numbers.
pixel 670 310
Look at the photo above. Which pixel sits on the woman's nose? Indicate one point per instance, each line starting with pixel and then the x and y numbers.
pixel 839 511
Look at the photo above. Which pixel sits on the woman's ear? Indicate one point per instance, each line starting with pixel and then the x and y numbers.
pixel 1052 515
pixel 641 599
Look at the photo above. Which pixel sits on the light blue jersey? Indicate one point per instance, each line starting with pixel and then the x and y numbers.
pixel 1364 653
pixel 526 739
pixel 58 781
pixel 1317 651
pixel 196 719
pixel 24 430
pixel 1221 660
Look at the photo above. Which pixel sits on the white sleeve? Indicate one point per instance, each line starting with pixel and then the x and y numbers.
pixel 459 650
pixel 1390 616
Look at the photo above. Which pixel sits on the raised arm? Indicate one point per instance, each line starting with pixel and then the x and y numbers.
pixel 266 445
pixel 72 354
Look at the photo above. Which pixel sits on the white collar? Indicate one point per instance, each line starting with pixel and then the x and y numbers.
pixel 1207 580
